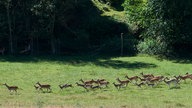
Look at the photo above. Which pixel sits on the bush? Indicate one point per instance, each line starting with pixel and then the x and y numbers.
pixel 152 47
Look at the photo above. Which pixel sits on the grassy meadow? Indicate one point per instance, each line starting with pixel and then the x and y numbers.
pixel 25 71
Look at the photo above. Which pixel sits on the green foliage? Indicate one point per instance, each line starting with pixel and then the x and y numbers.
pixel 162 19
pixel 152 47
pixel 135 10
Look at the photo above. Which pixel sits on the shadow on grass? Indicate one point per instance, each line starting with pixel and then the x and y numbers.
pixel 183 60
pixel 176 59
pixel 80 61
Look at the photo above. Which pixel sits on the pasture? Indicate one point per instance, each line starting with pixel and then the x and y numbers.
pixel 25 71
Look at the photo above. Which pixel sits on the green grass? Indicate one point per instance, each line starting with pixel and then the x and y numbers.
pixel 26 71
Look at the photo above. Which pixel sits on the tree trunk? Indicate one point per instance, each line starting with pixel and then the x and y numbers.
pixel 53 39
pixel 53 46
pixel 121 44
pixel 10 29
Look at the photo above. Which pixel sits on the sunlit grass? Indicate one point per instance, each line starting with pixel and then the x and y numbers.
pixel 108 11
pixel 25 72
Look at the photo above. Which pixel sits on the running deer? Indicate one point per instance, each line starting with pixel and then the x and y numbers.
pixel 140 84
pixel 135 78
pixel 11 88
pixel 65 86
pixel 104 83
pixel 96 87
pixel 174 81
pixel 45 86
pixel 125 82
pixel 190 75
pixel 184 77
pixel 36 87
pixel 153 80
pixel 118 86
pixel 87 82
pixel 142 79
pixel 150 84
pixel 98 81
pixel 146 75
pixel 159 77
pixel 85 86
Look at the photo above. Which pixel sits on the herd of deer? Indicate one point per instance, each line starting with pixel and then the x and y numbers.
pixel 145 79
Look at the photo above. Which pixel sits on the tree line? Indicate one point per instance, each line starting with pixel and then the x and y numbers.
pixel 75 26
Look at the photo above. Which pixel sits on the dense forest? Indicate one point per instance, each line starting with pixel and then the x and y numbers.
pixel 114 27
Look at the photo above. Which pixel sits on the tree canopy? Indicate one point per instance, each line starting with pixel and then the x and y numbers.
pixel 160 27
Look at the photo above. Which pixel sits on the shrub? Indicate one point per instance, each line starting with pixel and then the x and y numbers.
pixel 152 47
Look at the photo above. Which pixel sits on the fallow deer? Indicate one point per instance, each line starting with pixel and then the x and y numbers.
pixel 140 84
pixel 96 87
pixel 85 86
pixel 118 86
pixel 154 80
pixel 65 86
pixel 87 82
pixel 98 81
pixel 124 82
pixel 146 75
pixel 36 87
pixel 184 77
pixel 142 79
pixel 104 83
pixel 45 86
pixel 150 84
pixel 135 78
pixel 11 88
pixel 168 82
